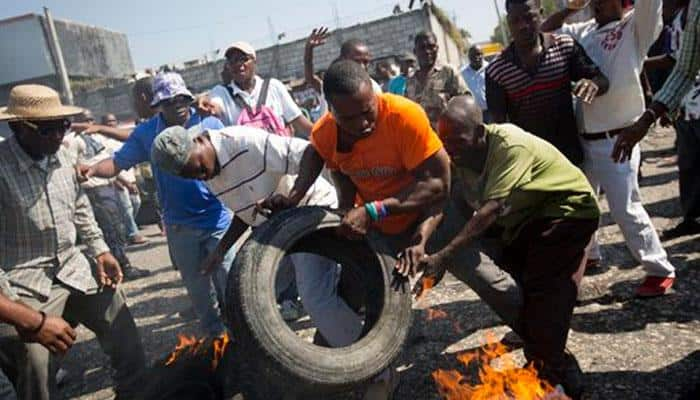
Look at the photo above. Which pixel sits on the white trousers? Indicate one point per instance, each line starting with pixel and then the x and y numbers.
pixel 619 181
pixel 317 282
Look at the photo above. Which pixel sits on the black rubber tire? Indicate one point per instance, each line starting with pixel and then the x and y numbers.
pixel 274 352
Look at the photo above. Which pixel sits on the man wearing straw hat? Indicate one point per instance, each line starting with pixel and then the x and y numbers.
pixel 42 211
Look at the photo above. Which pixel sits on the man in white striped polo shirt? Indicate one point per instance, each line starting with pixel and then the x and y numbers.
pixel 242 166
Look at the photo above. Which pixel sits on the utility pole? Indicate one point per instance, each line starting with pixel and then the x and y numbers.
pixel 275 65
pixel 504 29
pixel 336 18
pixel 59 63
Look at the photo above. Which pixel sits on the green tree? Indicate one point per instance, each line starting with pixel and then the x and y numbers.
pixel 550 7
pixel 466 36
pixel 497 36
pixel 449 27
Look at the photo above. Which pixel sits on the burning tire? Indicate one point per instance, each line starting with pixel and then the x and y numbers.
pixel 277 360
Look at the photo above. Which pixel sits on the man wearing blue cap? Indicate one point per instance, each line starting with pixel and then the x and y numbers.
pixel 195 220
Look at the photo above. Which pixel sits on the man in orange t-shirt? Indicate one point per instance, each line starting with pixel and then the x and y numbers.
pixel 390 170
pixel 389 166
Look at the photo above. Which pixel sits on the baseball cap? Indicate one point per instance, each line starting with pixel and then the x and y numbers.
pixel 167 85
pixel 407 56
pixel 172 147
pixel 244 47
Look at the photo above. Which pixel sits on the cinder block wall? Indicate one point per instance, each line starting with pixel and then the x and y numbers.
pixel 386 37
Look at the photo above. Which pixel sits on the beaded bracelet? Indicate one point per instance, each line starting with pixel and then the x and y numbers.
pixel 381 209
pixel 372 211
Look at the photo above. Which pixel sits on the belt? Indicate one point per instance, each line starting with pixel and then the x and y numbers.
pixel 601 135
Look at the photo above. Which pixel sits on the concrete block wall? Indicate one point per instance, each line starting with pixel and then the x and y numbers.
pixel 201 78
pixel 386 37
pixel 93 52
pixel 115 100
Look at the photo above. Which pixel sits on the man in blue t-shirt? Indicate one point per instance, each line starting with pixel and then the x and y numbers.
pixel 195 219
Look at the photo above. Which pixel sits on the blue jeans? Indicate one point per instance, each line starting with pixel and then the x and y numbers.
pixel 130 204
pixel 189 247
pixel 7 391
pixel 109 216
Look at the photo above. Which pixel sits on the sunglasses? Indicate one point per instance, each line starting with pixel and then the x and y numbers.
pixel 48 128
pixel 238 59
pixel 177 101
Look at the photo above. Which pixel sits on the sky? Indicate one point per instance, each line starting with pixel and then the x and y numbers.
pixel 172 31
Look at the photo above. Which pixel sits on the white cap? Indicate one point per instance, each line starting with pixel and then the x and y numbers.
pixel 244 47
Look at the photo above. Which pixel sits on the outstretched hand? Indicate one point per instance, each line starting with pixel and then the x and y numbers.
pixel 318 37
pixel 434 268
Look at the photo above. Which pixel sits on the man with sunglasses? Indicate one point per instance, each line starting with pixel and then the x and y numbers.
pixel 246 86
pixel 195 219
pixel 42 211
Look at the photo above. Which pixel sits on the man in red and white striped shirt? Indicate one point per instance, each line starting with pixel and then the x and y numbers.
pixel 530 83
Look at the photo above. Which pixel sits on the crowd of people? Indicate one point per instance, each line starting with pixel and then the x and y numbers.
pixel 492 172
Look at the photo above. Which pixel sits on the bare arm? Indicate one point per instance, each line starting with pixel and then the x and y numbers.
pixel 216 257
pixel 481 221
pixel 104 169
pixel 435 265
pixel 301 124
pixel 310 168
pixel 113 133
pixel 318 37
pixel 431 187
pixel 347 191
pixel 17 314
pixel 556 20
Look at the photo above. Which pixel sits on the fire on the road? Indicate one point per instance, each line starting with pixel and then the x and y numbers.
pixel 189 345
pixel 499 375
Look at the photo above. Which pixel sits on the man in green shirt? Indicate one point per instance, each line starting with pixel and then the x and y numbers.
pixel 548 214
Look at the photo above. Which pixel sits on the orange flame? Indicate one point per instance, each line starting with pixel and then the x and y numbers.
pixel 434 313
pixel 428 284
pixel 507 381
pixel 220 345
pixel 185 344
pixel 189 345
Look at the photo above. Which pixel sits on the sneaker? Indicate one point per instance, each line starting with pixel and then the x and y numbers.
pixel 685 228
pixel 291 310
pixel 383 387
pixel 654 286
pixel 137 239
pixel 133 273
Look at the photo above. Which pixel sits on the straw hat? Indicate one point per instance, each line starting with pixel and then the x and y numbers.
pixel 36 102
